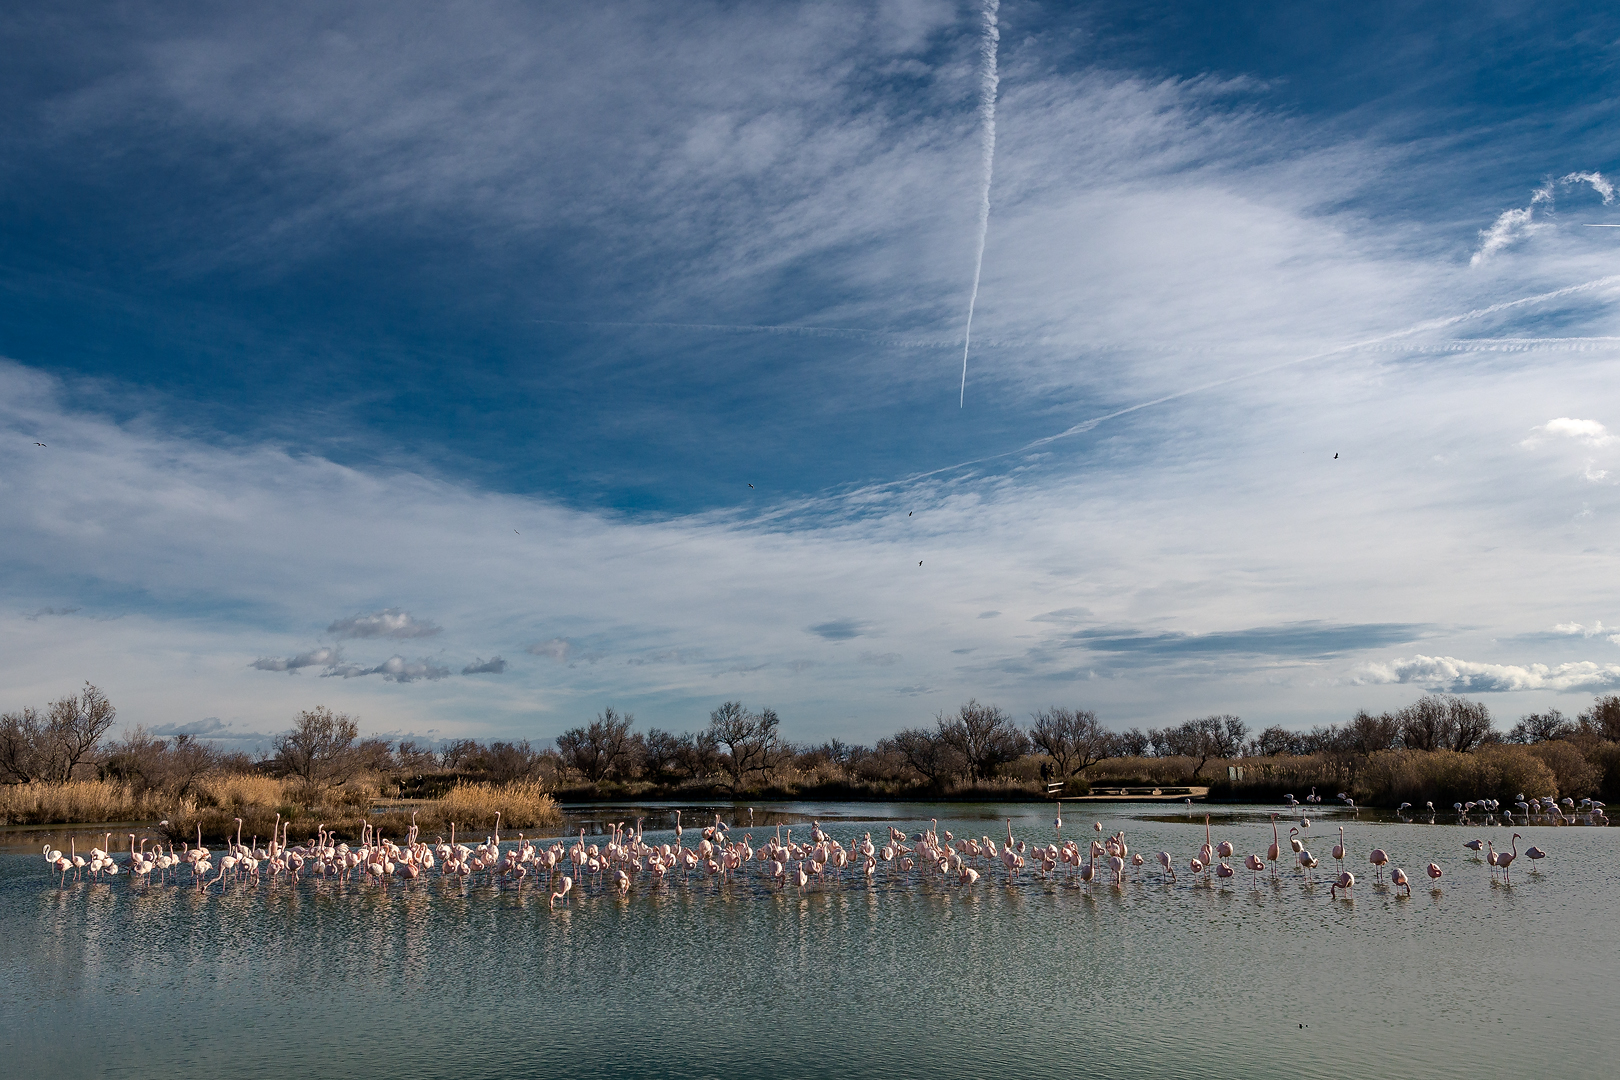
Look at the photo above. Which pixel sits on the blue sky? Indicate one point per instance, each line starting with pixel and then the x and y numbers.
pixel 372 346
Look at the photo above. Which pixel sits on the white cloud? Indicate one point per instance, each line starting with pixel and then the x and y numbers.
pixel 1587 432
pixel 321 657
pixel 389 623
pixel 1469 677
pixel 394 669
pixel 1517 224
pixel 558 649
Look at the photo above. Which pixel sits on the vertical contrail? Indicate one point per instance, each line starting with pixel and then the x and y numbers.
pixel 988 82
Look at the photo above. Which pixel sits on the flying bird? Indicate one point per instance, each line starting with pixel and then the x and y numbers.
pixel 1335 457
pixel 919 562
pixel 750 485
pixel 39 444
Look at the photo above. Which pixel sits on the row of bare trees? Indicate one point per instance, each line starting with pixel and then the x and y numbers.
pixel 744 749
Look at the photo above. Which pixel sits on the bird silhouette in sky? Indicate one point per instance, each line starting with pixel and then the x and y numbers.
pixel 39 444
pixel 1335 457
pixel 919 562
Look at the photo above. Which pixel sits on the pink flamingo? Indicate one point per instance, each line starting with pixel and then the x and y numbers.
pixel 1398 877
pixel 1379 857
pixel 1434 871
pixel 1338 849
pixel 1275 850
pixel 1346 881
pixel 1164 861
pixel 1505 858
pixel 1255 864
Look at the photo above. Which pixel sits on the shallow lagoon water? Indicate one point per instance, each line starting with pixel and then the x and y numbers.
pixel 905 978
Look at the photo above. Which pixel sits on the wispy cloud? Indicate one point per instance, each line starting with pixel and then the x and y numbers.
pixel 840 629
pixel 34 616
pixel 1514 225
pixel 394 669
pixel 558 649
pixel 321 657
pixel 493 666
pixel 208 725
pixel 389 623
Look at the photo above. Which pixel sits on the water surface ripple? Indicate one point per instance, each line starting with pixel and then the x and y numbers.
pixel 905 978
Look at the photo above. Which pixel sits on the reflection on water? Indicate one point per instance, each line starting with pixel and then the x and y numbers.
pixel 905 977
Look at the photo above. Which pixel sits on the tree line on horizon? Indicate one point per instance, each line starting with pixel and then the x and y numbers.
pixel 741 750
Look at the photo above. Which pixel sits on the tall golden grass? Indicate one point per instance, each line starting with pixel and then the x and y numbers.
pixel 522 804
pixel 79 802
pixel 218 801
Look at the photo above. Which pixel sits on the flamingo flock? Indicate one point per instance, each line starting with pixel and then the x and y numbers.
pixel 628 861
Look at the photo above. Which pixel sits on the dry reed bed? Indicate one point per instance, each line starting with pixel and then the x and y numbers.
pixel 81 802
pixel 218 801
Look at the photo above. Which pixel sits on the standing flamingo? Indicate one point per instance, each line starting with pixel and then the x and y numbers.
pixel 1346 881
pixel 1398 877
pixel 1338 849
pixel 1275 850
pixel 1504 859
pixel 1379 857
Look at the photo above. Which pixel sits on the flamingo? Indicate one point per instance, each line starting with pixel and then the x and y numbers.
pixel 564 887
pixel 1057 822
pixel 1434 871
pixel 1379 858
pixel 1398 877
pixel 1275 849
pixel 1164 861
pixel 1255 864
pixel 1346 881
pixel 1338 849
pixel 1474 846
pixel 1534 854
pixel 1504 859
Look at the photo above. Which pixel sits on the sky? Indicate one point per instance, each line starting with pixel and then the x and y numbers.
pixel 471 368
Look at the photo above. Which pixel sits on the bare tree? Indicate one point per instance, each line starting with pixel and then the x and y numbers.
pixel 1442 722
pixel 1205 738
pixel 23 756
pixel 1602 718
pixel 319 748
pixel 147 762
pixel 985 736
pixel 1367 734
pixel 751 740
pixel 1549 726
pixel 929 753
pixel 1470 724
pixel 1132 743
pixel 1273 742
pixel 1071 738
pixel 602 748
